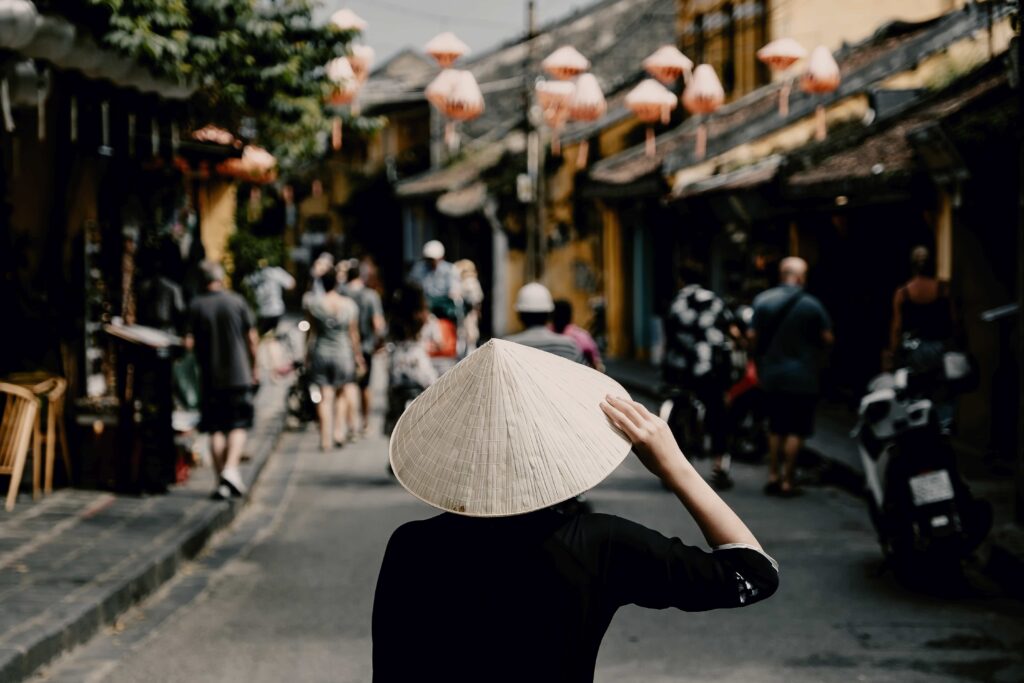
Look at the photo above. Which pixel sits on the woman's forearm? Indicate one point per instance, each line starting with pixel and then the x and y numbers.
pixel 719 524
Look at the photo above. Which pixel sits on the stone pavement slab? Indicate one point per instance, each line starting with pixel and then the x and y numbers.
pixel 74 561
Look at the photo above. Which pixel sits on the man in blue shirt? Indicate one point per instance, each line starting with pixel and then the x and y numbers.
pixel 791 331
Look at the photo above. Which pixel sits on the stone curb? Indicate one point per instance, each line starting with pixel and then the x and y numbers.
pixel 104 603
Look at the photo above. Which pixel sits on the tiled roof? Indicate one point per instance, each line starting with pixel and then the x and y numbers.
pixel 462 172
pixel 615 35
pixel 895 47
pixel 889 151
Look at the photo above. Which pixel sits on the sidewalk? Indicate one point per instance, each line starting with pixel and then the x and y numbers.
pixel 71 563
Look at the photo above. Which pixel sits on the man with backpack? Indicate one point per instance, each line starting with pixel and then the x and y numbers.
pixel 371 332
pixel 790 332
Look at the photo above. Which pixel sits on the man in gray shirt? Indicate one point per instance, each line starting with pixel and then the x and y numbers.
pixel 268 285
pixel 222 334
pixel 371 329
pixel 535 305
pixel 790 331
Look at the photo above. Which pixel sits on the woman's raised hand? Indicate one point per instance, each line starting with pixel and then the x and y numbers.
pixel 651 437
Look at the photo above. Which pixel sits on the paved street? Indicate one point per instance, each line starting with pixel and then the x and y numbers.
pixel 286 594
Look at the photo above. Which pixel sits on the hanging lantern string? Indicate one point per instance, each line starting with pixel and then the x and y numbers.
pixel 5 104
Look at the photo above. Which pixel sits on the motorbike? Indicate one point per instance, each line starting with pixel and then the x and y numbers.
pixel 303 395
pixel 926 519
pixel 684 412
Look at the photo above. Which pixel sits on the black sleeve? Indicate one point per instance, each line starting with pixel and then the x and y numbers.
pixel 645 568
pixel 392 642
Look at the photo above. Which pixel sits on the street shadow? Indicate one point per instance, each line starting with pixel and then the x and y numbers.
pixel 349 481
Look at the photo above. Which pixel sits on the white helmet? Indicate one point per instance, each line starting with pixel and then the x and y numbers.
pixel 433 250
pixel 534 298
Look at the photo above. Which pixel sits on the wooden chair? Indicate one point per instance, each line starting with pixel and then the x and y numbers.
pixel 53 391
pixel 20 409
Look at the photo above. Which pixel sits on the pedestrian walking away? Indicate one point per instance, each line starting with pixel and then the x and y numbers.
pixel 535 306
pixel 335 358
pixel 268 285
pixel 371 335
pixel 410 370
pixel 222 334
pixel 533 586
pixel 434 275
pixel 700 332
pixel 790 332
pixel 561 322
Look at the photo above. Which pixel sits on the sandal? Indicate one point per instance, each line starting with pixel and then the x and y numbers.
pixel 772 488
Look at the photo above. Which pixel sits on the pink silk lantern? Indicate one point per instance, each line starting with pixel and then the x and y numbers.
pixel 668 64
pixel 650 101
pixel 587 104
pixel 780 55
pixel 822 77
pixel 703 96
pixel 553 98
pixel 437 90
pixel 361 61
pixel 445 48
pixel 347 20
pixel 565 63
pixel 346 87
pixel 340 73
pixel 462 102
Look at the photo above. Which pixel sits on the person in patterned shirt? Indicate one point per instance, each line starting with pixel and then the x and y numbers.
pixel 700 332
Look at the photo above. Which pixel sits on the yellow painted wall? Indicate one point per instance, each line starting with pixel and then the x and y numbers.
pixel 217 203
pixel 613 282
pixel 831 22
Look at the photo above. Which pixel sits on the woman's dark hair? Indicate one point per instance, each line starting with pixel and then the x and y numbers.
pixel 921 262
pixel 329 279
pixel 562 316
pixel 407 312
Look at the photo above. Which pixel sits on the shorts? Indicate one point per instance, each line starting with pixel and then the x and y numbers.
pixel 331 369
pixel 790 414
pixel 267 323
pixel 364 380
pixel 222 410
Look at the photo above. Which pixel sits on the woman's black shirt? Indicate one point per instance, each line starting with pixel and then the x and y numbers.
pixel 529 598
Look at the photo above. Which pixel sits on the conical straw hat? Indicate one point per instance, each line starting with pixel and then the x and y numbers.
pixel 509 430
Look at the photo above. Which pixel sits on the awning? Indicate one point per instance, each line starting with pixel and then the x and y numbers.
pixel 740 179
pixel 462 202
pixel 52 38
pixel 463 172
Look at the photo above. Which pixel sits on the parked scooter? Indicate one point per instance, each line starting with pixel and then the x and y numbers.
pixel 926 518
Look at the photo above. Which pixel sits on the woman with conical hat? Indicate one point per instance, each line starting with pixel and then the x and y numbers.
pixel 506 585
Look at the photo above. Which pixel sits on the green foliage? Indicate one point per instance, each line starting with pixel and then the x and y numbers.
pixel 261 59
pixel 246 250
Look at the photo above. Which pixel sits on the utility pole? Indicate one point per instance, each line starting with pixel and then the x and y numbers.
pixel 534 151
pixel 1018 45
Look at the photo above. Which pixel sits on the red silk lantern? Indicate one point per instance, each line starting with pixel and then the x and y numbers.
pixel 780 55
pixel 668 65
pixel 565 63
pixel 587 104
pixel 445 48
pixel 650 101
pixel 703 96
pixel 822 77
